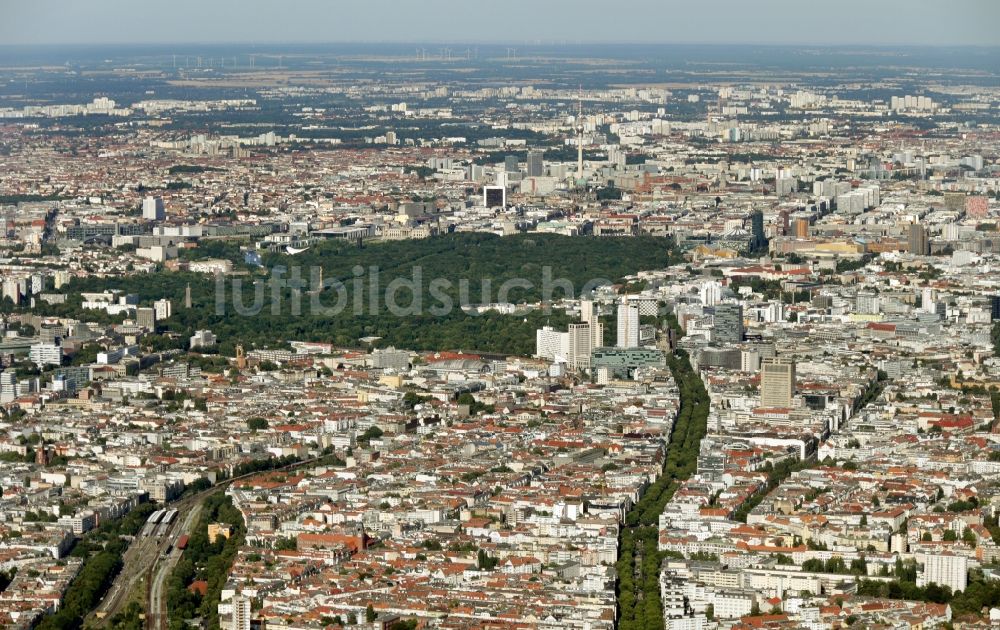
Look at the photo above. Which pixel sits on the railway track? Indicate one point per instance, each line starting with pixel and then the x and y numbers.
pixel 144 560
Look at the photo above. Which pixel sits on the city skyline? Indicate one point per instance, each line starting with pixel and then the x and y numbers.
pixel 545 335
pixel 779 22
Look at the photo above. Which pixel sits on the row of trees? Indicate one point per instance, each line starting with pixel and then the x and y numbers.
pixel 264 465
pixel 776 473
pixel 101 550
pixel 639 560
pixel 837 565
pixel 87 589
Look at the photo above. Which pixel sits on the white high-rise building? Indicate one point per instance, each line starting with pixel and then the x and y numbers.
pixel 711 292
pixel 163 309
pixel 42 354
pixel 596 334
pixel 944 569
pixel 241 613
pixel 750 360
pixel 628 326
pixel 152 209
pixel 8 386
pixel 11 289
pixel 590 315
pixel 773 312
pixel 927 303
pixel 867 303
pixel 551 344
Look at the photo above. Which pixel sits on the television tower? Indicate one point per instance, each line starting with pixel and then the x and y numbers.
pixel 579 138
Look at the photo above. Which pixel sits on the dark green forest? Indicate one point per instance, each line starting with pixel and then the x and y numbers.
pixel 449 271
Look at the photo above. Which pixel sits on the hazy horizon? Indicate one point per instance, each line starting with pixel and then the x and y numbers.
pixel 582 22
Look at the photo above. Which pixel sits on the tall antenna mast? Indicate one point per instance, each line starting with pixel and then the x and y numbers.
pixel 579 137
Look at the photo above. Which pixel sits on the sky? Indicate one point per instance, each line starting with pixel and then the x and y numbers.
pixel 847 22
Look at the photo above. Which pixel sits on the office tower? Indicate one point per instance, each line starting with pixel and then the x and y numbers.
pixel 628 326
pixel 241 613
pixel 579 140
pixel 152 209
pixel 581 345
pixel 783 220
pixel 510 164
pixel 727 326
pixel 494 196
pixel 536 163
pixel 800 228
pixel 927 304
pixel 759 240
pixel 918 242
pixel 187 296
pixel 596 334
pixel 777 382
pixel 590 315
pixel 750 360
pixel 145 318
pixel 995 307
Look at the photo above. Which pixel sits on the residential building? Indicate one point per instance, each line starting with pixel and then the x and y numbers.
pixel 152 209
pixel 162 309
pixel 241 613
pixel 944 569
pixel 628 326
pixel 551 344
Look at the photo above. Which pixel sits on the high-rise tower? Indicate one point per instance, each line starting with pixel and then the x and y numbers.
pixel 579 138
pixel 628 325
pixel 777 382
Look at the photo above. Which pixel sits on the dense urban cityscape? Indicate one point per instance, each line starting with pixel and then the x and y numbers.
pixel 499 337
